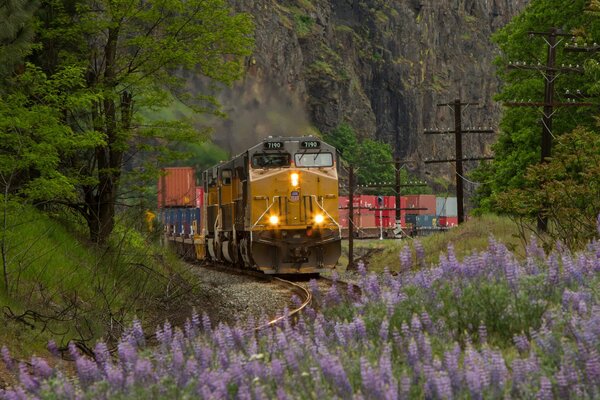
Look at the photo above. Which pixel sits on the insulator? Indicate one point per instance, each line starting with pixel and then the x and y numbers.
pixel 567 92
pixel 595 44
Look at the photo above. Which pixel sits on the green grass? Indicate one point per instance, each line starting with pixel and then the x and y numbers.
pixel 60 287
pixel 472 236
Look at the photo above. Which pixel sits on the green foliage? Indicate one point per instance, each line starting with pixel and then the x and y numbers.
pixel 130 64
pixel 16 35
pixel 34 138
pixel 78 291
pixel 519 142
pixel 566 189
pixel 373 158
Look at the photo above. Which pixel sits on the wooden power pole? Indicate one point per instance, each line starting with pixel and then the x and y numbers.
pixel 550 72
pixel 457 106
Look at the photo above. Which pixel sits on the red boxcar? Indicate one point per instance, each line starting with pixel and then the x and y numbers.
pixel 425 201
pixel 177 187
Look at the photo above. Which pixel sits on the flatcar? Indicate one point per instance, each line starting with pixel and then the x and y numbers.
pixel 272 208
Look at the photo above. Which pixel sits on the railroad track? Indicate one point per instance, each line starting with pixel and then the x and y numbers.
pixel 297 284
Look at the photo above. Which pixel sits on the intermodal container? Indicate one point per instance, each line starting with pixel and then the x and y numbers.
pixel 426 202
pixel 411 219
pixel 446 206
pixel 426 221
pixel 343 221
pixel 199 197
pixel 177 187
pixel 448 222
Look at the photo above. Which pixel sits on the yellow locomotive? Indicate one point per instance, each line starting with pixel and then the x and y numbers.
pixel 274 207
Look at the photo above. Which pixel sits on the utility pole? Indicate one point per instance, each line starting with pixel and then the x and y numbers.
pixel 351 187
pixel 550 72
pixel 457 106
pixel 397 187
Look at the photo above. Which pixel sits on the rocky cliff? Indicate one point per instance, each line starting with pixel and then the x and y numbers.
pixel 381 66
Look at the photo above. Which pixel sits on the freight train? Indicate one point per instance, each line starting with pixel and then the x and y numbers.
pixel 272 208
pixel 375 216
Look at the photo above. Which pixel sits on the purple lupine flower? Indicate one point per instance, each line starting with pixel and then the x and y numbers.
pixel 482 333
pixel 371 383
pixel 498 370
pixel 143 371
pixel 206 325
pixel 333 296
pixel 405 383
pixel 101 354
pixel 87 370
pixel 41 369
pixel 361 268
pixel 384 330
pixel 405 258
pixel 127 353
pixel 553 270
pixel 372 288
pixel 451 359
pixel 73 351
pixel 359 327
pixel 419 252
pixel 545 392
pixel 413 352
pixel 385 365
pixel 138 333
pixel 334 372
pixel 17 394
pixel 426 321
pixel 30 383
pixel 521 343
pixel 7 358
pixel 281 395
pixel 592 366
pixel 53 348
pixel 115 376
pixel 443 385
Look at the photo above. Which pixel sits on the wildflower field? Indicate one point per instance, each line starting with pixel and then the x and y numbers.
pixel 487 327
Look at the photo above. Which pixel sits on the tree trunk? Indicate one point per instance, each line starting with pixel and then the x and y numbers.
pixel 109 157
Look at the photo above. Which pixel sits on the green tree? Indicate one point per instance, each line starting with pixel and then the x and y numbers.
pixel 566 189
pixel 519 142
pixel 374 159
pixel 133 57
pixel 16 34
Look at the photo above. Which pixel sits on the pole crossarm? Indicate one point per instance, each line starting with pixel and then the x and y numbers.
pixel 576 49
pixel 453 104
pixel 390 185
pixel 554 32
pixel 440 132
pixel 454 160
pixel 546 69
pixel 543 104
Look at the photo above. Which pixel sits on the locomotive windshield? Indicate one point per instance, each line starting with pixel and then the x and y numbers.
pixel 313 160
pixel 263 160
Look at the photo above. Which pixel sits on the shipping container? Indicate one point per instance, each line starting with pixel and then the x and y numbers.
pixel 448 222
pixel 425 201
pixel 446 207
pixel 426 221
pixel 177 187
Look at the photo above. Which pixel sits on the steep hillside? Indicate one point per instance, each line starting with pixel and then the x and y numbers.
pixel 381 66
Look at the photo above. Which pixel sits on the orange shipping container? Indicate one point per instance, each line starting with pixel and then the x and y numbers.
pixel 177 187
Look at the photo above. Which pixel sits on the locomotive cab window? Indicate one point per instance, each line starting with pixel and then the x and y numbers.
pixel 276 160
pixel 226 176
pixel 313 159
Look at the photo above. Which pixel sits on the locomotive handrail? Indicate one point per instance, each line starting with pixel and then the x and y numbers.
pixel 325 211
pixel 266 211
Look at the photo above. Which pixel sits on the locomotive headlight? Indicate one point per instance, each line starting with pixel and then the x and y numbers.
pixel 295 178
pixel 319 218
pixel 273 219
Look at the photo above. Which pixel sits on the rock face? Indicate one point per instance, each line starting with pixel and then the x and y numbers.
pixel 381 66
